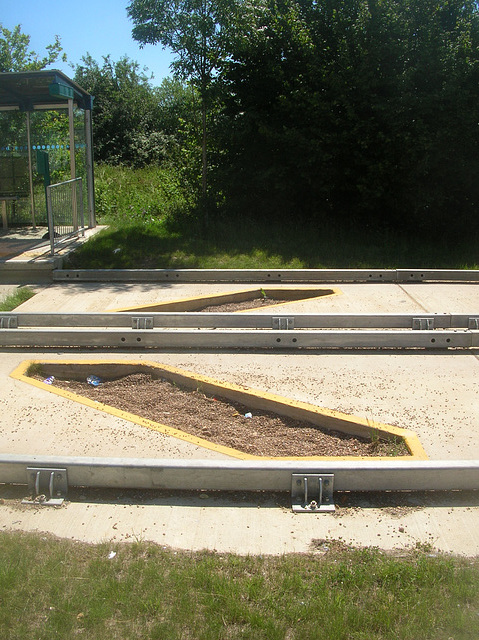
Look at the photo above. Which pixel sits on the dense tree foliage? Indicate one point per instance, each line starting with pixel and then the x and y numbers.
pixel 195 31
pixel 124 112
pixel 359 110
pixel 135 123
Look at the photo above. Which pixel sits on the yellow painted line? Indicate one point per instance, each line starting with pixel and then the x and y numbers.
pixel 20 374
pixel 243 295
pixel 320 416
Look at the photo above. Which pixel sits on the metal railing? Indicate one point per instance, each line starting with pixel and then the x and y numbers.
pixel 65 211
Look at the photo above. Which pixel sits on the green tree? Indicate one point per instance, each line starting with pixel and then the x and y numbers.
pixel 360 111
pixel 195 31
pixel 177 104
pixel 16 56
pixel 126 117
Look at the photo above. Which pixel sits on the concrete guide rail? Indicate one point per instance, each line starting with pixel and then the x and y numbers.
pixel 266 275
pixel 239 331
pixel 150 320
pixel 238 338
pixel 29 271
pixel 225 475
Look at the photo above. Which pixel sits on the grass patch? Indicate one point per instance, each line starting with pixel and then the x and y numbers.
pixel 57 588
pixel 15 299
pixel 251 245
pixel 143 208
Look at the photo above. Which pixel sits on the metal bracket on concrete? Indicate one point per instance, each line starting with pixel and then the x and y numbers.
pixel 423 324
pixel 246 475
pixel 282 323
pixel 473 323
pixel 142 322
pixel 312 492
pixel 47 486
pixel 8 322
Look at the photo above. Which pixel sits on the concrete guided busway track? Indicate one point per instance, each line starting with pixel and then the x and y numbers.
pixel 239 331
pixel 433 391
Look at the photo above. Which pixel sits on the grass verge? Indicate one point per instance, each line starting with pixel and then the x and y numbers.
pixel 57 588
pixel 15 299
pixel 151 225
pixel 254 245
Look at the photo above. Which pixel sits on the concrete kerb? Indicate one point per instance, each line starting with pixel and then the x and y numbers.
pixel 246 475
pixel 238 339
pixel 239 320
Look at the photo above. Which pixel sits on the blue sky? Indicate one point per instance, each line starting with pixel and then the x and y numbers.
pixel 99 27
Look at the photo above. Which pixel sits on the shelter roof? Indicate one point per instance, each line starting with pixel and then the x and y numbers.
pixel 27 90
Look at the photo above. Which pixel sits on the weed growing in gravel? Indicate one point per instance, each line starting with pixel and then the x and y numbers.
pixel 35 369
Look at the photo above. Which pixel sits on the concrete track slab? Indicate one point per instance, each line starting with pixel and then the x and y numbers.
pixel 39 422
pixel 351 298
pixel 443 298
pixel 434 394
pixel 94 297
pixel 254 525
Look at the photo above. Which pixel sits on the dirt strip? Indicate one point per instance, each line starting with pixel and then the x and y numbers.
pixel 227 423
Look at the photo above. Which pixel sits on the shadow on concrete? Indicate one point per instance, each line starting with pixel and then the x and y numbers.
pixel 17 241
pixel 394 503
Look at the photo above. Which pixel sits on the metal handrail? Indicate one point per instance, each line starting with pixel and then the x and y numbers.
pixel 71 203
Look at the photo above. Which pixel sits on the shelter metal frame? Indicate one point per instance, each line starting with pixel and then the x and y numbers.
pixel 50 90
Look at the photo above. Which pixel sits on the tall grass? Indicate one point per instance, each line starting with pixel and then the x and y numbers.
pixel 152 225
pixel 15 299
pixel 60 589
pixel 125 196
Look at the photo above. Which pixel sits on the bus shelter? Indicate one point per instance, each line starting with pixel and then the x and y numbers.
pixel 45 140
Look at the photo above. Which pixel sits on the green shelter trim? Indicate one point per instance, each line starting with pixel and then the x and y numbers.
pixel 29 90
